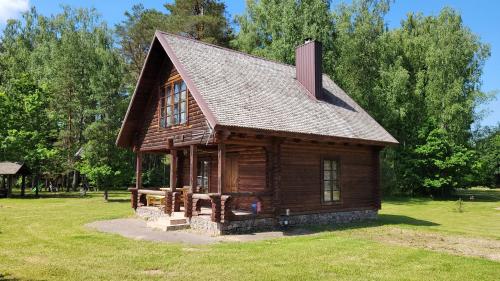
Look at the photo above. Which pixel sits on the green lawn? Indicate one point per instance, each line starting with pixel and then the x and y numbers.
pixel 479 217
pixel 45 239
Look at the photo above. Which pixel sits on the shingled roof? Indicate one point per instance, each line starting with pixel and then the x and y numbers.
pixel 13 168
pixel 235 89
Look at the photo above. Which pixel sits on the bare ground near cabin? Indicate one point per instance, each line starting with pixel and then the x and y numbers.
pixel 458 245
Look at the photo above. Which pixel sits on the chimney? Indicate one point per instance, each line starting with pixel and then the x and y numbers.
pixel 308 66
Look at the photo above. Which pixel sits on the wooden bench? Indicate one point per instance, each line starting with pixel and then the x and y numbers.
pixel 155 200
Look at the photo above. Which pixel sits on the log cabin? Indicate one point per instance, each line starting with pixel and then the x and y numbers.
pixel 253 143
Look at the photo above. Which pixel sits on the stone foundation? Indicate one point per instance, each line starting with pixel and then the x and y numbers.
pixel 330 218
pixel 205 225
pixel 149 213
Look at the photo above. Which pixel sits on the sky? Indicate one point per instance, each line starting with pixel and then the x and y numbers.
pixel 481 16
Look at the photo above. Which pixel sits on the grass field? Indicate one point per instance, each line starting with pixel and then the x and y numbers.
pixel 45 239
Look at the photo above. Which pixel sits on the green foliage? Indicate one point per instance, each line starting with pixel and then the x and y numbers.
pixel 441 165
pixel 273 29
pixel 487 164
pixel 63 90
pixel 135 34
pixel 202 20
pixel 25 125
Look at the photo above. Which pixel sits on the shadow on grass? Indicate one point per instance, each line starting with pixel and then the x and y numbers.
pixel 119 200
pixel 74 194
pixel 467 195
pixel 383 219
pixel 7 277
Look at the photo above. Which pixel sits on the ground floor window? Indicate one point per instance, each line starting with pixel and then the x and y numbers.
pixel 203 173
pixel 331 189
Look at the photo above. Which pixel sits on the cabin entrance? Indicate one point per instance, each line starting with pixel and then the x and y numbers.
pixel 231 173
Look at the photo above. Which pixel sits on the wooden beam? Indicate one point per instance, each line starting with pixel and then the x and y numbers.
pixel 173 169
pixel 170 143
pixel 275 172
pixel 138 170
pixel 221 161
pixel 193 167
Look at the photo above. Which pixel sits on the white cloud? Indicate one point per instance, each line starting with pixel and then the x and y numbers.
pixel 10 9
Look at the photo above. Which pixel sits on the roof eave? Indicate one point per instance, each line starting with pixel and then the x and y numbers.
pixel 311 136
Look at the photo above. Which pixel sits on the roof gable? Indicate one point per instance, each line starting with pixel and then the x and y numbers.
pixel 234 89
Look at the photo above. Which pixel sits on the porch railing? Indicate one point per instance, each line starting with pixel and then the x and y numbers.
pixel 221 205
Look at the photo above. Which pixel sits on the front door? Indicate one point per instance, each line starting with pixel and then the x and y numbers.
pixel 231 173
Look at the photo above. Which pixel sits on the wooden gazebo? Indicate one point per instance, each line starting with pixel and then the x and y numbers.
pixel 8 172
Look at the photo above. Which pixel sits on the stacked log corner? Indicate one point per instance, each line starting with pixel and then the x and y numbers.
pixel 168 202
pixel 188 204
pixel 215 200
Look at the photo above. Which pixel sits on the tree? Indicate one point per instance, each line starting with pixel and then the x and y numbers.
pixel 135 34
pixel 442 165
pixel 487 165
pixel 26 128
pixel 203 20
pixel 199 19
pixel 273 29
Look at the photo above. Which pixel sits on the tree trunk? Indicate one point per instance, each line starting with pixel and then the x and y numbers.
pixel 37 177
pixel 76 177
pixel 106 194
pixel 66 182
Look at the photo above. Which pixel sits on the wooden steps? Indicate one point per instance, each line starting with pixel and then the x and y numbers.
pixel 176 221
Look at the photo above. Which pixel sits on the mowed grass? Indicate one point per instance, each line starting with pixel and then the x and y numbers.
pixel 479 218
pixel 45 239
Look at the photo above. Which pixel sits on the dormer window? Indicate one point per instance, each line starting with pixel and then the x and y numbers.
pixel 173 103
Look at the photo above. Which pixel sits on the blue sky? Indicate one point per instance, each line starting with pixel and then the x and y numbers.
pixel 481 16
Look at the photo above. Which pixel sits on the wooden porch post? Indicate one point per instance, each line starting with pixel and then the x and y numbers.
pixel 221 161
pixel 173 170
pixel 23 185
pixel 193 167
pixel 138 170
pixel 9 185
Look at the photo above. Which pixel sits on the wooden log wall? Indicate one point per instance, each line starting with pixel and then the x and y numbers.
pixel 154 138
pixel 301 183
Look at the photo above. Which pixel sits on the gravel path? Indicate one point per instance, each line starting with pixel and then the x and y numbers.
pixel 137 229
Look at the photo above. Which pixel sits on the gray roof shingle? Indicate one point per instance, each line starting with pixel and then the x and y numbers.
pixel 246 91
pixel 12 168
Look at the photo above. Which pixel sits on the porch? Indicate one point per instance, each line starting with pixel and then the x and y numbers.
pixel 213 187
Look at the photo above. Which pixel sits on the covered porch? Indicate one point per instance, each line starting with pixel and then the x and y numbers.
pixel 220 183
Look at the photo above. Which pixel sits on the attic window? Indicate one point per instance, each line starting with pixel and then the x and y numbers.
pixel 173 103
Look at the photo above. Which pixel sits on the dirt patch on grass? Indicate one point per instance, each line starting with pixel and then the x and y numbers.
pixel 459 245
pixel 154 272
